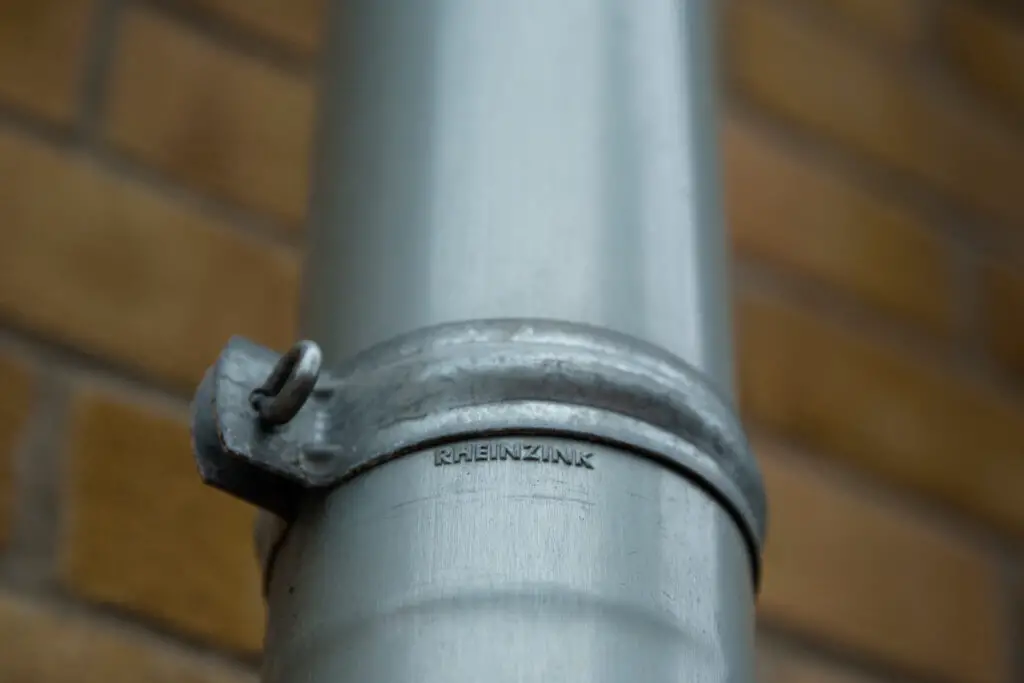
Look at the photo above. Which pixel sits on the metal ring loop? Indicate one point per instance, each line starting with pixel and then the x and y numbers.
pixel 289 384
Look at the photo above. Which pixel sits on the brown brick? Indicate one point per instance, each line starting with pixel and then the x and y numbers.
pixel 800 215
pixel 882 410
pixel 42 45
pixel 849 569
pixel 125 274
pixel 899 22
pixel 219 121
pixel 873 105
pixel 39 644
pixel 1003 306
pixel 15 405
pixel 987 50
pixel 143 533
pixel 785 667
pixel 294 22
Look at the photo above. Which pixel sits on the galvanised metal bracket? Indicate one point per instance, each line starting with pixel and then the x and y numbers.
pixel 269 427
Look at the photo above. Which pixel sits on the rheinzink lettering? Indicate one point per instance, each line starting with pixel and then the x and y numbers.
pixel 523 451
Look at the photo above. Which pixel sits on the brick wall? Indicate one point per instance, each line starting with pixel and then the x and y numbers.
pixel 153 160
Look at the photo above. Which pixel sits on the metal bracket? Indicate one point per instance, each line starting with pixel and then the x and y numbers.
pixel 462 381
pixel 263 461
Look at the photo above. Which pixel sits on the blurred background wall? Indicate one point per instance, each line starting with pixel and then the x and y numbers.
pixel 153 172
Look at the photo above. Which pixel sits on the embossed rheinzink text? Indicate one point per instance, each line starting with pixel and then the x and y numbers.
pixel 523 451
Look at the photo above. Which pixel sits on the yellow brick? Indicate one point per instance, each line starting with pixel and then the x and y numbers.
pixel 143 533
pixel 988 51
pixel 219 121
pixel 780 667
pixel 859 574
pixel 15 405
pixel 1003 307
pixel 41 645
pixel 42 46
pixel 794 213
pixel 106 265
pixel 295 22
pixel 879 109
pixel 882 410
pixel 899 22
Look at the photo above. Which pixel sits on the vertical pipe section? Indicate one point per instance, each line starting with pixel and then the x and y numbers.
pixel 484 159
pixel 529 159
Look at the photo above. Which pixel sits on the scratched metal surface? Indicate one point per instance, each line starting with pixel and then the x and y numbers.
pixel 570 563
pixel 455 382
